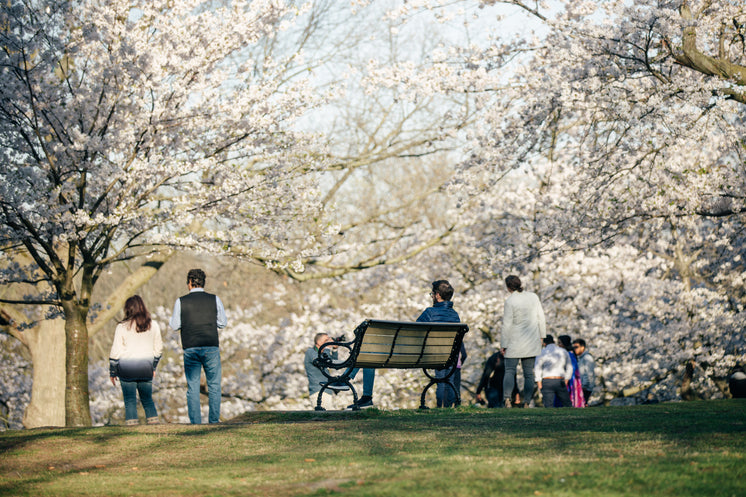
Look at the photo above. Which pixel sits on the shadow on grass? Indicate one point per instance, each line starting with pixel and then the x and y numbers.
pixel 276 442
pixel 470 429
pixel 101 435
pixel 699 417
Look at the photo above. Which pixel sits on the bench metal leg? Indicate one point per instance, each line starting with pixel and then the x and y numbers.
pixel 424 393
pixel 434 381
pixel 318 400
pixel 324 387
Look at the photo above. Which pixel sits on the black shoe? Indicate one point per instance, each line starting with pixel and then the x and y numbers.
pixel 338 387
pixel 364 402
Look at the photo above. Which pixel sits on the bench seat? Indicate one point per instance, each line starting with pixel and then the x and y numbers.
pixel 381 344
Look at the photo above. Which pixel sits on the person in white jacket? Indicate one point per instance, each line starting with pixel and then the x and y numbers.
pixel 524 327
pixel 134 355
pixel 553 372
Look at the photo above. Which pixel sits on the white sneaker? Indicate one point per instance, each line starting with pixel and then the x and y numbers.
pixel 338 387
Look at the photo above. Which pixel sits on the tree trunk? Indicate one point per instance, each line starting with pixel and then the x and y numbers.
pixel 77 409
pixel 44 342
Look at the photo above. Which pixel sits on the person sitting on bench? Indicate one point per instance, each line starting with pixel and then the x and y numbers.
pixel 442 312
pixel 314 374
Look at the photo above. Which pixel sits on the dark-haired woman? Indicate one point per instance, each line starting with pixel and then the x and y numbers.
pixel 135 353
pixel 574 386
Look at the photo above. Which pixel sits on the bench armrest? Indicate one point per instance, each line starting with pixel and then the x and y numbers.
pixel 324 361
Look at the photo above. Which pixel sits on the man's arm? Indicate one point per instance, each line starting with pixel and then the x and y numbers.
pixel 175 321
pixel 222 319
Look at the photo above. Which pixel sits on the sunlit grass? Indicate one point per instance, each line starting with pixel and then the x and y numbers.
pixel 677 449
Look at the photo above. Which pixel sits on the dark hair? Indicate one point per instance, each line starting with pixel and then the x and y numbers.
pixel 135 310
pixel 548 339
pixel 513 283
pixel 196 277
pixel 580 342
pixel 443 288
pixel 565 342
pixel 318 336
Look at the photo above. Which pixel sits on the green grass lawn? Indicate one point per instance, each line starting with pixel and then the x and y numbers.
pixel 677 449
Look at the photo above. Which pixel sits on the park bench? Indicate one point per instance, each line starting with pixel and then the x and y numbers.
pixel 383 344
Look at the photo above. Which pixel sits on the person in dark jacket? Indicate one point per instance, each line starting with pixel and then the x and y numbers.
pixel 442 312
pixel 199 315
pixel 491 382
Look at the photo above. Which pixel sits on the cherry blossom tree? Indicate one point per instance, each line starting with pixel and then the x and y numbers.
pixel 599 156
pixel 623 122
pixel 631 113
pixel 137 127
pixel 174 125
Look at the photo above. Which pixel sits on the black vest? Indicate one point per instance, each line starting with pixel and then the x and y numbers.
pixel 199 320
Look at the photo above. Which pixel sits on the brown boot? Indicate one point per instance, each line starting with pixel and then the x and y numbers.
pixel 132 422
pixel 153 421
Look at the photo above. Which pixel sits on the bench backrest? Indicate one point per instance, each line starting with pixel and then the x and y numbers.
pixel 401 344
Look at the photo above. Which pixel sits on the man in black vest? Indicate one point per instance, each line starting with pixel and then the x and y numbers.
pixel 198 315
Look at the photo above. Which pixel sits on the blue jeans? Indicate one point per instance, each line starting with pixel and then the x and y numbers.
pixel 511 365
pixel 130 389
pixel 444 395
pixel 196 358
pixel 369 377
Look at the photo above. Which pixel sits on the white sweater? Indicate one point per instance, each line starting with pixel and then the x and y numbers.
pixel 553 362
pixel 524 325
pixel 134 355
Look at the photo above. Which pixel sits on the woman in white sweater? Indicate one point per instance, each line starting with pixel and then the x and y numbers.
pixel 524 326
pixel 135 353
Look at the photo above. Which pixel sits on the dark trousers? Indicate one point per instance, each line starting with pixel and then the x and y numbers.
pixel 554 388
pixel 587 395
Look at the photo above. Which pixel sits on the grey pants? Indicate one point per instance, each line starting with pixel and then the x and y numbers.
pixel 511 365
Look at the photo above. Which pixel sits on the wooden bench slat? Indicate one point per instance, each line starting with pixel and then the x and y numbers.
pixel 411 333
pixel 409 341
pixel 410 356
pixel 401 348
pixel 403 357
pixel 400 361
pixel 395 325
